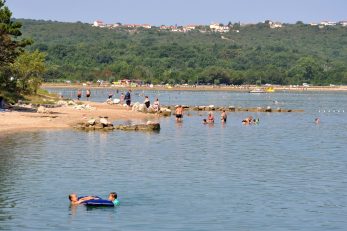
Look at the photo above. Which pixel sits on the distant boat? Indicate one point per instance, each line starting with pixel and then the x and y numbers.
pixel 270 89
pixel 262 90
pixel 257 90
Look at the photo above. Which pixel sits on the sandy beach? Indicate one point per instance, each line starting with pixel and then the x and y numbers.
pixel 64 117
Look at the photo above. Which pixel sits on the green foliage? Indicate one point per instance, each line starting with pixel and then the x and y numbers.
pixel 28 70
pixel 10 49
pixel 290 55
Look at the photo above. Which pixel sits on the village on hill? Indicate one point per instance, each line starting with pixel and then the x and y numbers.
pixel 213 27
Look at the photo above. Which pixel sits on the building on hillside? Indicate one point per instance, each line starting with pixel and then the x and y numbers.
pixel 219 28
pixel 99 23
pixel 327 23
pixel 146 26
pixel 313 24
pixel 116 25
pixel 189 28
pixel 343 23
pixel 274 25
pixel 163 27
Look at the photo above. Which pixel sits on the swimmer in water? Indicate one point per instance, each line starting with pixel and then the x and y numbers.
pixel 113 197
pixel 75 201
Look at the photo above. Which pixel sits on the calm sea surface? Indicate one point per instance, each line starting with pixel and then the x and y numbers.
pixel 287 173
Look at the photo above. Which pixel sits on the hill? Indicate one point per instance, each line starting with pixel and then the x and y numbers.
pixel 293 54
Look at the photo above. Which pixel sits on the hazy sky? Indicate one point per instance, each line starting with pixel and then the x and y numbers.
pixel 157 12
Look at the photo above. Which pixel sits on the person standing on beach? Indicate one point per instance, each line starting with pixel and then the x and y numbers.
pixel 88 94
pixel 127 98
pixel 156 105
pixel 179 113
pixel 147 102
pixel 121 99
pixel 79 94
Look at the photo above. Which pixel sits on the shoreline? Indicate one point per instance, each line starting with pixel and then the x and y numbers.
pixel 243 88
pixel 64 117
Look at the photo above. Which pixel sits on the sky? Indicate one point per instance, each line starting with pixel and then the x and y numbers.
pixel 180 12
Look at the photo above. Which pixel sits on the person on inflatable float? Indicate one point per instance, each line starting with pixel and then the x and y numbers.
pixel 75 201
pixel 113 197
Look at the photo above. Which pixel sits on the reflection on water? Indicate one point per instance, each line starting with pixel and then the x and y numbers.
pixel 287 173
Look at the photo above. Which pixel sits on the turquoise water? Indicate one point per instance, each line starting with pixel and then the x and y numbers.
pixel 286 173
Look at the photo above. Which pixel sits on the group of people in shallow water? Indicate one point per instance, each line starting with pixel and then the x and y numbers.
pixel 75 200
pixel 250 120
pixel 210 118
pixel 79 94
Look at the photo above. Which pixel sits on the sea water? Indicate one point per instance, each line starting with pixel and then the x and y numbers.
pixel 287 173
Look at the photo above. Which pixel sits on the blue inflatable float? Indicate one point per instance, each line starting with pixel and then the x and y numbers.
pixel 98 201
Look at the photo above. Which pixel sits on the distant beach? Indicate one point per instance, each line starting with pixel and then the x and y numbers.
pixel 241 88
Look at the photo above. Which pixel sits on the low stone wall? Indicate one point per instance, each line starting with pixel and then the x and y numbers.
pixel 139 127
pixel 235 109
pixel 103 125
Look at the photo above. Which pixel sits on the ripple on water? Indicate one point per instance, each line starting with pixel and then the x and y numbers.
pixel 285 173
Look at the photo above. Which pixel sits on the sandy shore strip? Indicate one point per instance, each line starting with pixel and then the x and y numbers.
pixel 242 88
pixel 65 117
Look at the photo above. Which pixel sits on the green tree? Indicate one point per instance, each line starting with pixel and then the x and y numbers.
pixel 28 70
pixel 10 46
pixel 307 69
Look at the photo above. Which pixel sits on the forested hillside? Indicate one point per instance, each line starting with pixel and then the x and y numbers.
pixel 290 55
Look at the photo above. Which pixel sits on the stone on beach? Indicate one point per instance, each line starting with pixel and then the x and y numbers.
pixel 43 110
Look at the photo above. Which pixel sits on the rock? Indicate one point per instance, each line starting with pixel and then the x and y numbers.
pixel 165 111
pixel 91 121
pixel 232 108
pixel 139 127
pixel 104 121
pixel 62 103
pixel 135 106
pixel 43 110
pixel 268 109
pixel 71 103
pixel 142 108
pixel 151 109
pixel 201 108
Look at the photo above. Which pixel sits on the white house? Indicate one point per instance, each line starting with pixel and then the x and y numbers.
pixel 343 23
pixel 189 28
pixel 327 23
pixel 274 25
pixel 147 26
pixel 218 28
pixel 98 23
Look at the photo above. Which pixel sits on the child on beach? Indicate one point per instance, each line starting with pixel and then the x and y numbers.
pixel 156 105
